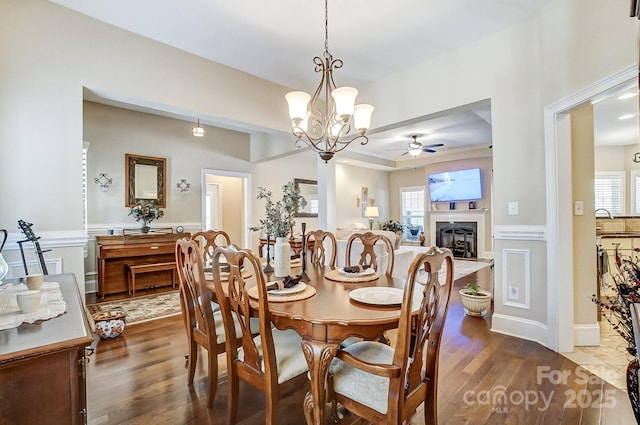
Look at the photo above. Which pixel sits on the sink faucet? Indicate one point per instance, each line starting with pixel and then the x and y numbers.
pixel 605 210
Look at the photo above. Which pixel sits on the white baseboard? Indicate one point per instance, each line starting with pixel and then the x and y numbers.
pixel 521 328
pixel 586 335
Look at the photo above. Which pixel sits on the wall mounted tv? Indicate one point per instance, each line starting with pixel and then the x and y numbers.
pixel 451 186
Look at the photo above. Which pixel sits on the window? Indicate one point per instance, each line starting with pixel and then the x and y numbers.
pixel 609 191
pixel 412 201
pixel 635 192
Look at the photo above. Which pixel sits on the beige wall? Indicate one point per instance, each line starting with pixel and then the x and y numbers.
pixel 584 226
pixel 418 177
pixel 570 45
pixel 50 53
pixel 113 132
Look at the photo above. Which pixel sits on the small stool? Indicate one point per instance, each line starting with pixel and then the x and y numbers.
pixel 149 268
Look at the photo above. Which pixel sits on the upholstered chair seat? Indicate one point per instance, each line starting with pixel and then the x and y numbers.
pixel 289 357
pixel 365 388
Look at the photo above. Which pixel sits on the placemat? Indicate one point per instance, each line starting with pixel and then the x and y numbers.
pixel 341 277
pixel 308 292
pixel 51 305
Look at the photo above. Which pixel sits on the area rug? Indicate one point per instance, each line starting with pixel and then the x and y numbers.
pixel 143 308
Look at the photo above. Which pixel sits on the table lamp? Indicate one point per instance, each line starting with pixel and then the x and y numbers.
pixel 371 213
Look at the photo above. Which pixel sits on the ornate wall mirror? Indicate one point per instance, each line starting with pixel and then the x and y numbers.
pixel 309 190
pixel 146 180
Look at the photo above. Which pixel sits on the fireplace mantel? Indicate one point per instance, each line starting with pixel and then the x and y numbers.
pixel 478 216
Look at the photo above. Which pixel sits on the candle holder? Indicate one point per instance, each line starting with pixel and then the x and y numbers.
pixel 267 267
pixel 304 276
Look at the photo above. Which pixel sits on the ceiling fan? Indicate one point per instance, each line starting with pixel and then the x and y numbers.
pixel 416 148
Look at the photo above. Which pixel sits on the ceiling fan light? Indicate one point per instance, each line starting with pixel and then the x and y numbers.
pixel 345 98
pixel 298 101
pixel 415 152
pixel 362 116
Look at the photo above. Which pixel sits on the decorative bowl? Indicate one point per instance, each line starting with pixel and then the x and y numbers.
pixel 110 324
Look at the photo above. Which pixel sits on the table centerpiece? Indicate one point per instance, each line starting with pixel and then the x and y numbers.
pixel 278 223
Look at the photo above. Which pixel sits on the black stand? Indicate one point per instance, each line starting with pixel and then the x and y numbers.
pixel 304 276
pixel 267 267
pixel 31 237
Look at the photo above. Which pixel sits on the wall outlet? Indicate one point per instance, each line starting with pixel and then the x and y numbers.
pixel 513 292
pixel 513 208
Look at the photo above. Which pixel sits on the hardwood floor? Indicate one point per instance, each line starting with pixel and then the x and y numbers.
pixel 485 378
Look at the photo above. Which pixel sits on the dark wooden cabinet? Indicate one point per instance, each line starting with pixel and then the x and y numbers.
pixel 42 365
pixel 115 253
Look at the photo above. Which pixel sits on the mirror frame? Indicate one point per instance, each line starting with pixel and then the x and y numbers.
pixel 297 183
pixel 130 177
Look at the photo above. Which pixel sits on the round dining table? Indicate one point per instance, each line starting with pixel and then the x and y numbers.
pixel 326 319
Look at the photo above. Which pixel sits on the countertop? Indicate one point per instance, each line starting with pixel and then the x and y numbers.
pixel 618 234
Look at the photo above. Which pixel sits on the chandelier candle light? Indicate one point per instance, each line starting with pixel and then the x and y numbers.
pixel 327 132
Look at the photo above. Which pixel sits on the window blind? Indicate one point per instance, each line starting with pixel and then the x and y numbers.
pixel 609 192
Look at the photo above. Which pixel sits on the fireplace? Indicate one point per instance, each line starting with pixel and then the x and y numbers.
pixel 476 219
pixel 461 237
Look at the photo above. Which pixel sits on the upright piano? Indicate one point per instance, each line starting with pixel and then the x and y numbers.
pixel 117 253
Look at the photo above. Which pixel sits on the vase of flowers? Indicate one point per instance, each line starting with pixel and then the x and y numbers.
pixel 278 222
pixel 145 212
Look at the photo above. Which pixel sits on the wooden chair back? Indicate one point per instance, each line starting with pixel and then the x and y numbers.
pixel 209 240
pixel 253 359
pixel 237 304
pixel 413 371
pixel 368 254
pixel 197 311
pixel 315 241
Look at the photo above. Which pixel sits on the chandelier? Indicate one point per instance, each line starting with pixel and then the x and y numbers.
pixel 326 127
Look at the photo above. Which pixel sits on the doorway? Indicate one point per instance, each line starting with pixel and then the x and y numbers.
pixel 226 203
pixel 560 316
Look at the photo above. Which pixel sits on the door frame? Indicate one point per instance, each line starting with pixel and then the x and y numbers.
pixel 246 188
pixel 559 181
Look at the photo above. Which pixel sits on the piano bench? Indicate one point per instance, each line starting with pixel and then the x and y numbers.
pixel 149 268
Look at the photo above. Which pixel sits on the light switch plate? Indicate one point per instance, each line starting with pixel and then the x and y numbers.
pixel 513 208
pixel 578 208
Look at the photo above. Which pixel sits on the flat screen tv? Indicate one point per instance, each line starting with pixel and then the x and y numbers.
pixel 451 186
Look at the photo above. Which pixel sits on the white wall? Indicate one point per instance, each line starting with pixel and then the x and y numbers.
pixel 350 181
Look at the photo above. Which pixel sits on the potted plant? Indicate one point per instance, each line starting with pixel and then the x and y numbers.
pixel 279 221
pixel 147 212
pixel 476 301
pixel 393 226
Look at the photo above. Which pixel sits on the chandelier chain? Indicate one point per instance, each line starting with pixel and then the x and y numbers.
pixel 326 27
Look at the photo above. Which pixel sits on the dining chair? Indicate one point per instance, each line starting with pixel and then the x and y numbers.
pixel 204 327
pixel 384 384
pixel 315 240
pixel 273 361
pixel 209 240
pixel 368 254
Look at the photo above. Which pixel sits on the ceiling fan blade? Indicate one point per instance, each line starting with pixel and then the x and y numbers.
pixel 428 150
pixel 406 152
pixel 435 145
